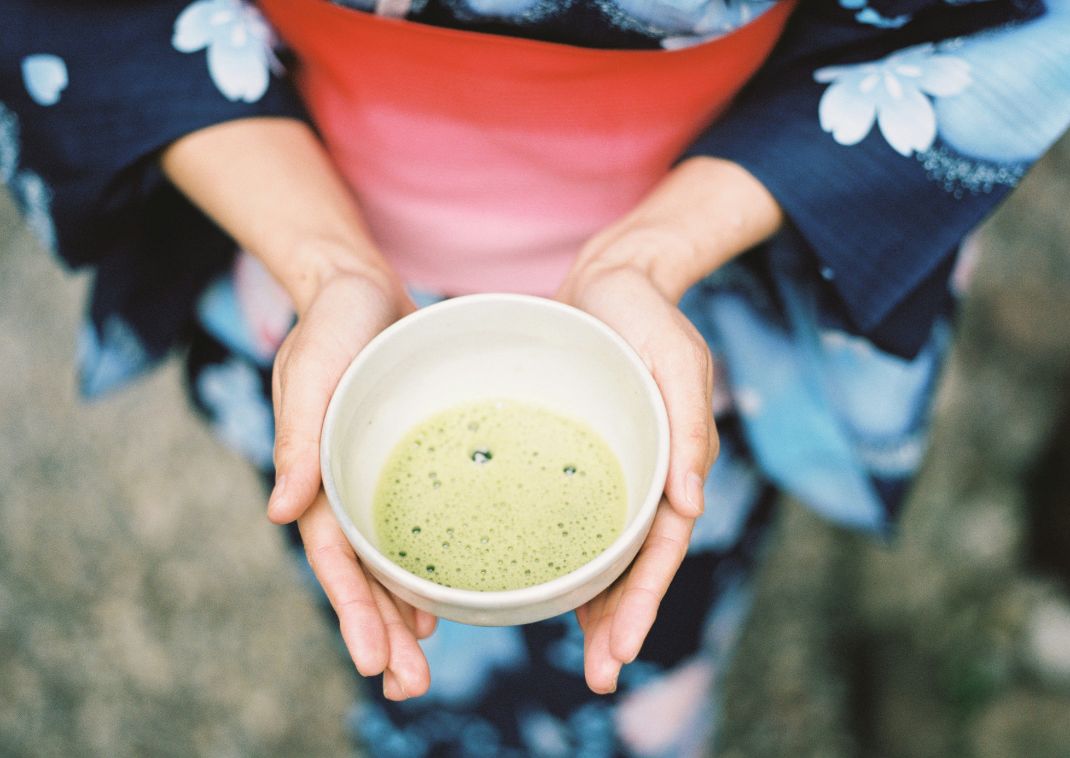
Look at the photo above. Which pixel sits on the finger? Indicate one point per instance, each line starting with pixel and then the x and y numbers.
pixel 308 367
pixel 683 370
pixel 647 581
pixel 307 375
pixel 336 566
pixel 421 623
pixel 592 609
pixel 582 615
pixel 407 665
pixel 600 668
pixel 426 623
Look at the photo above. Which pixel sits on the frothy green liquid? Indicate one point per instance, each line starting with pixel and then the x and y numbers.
pixel 498 495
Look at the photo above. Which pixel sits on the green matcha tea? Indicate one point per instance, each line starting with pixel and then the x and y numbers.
pixel 498 495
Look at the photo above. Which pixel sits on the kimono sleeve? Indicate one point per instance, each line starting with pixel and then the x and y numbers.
pixel 89 94
pixel 887 131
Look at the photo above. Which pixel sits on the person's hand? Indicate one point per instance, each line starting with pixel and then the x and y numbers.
pixel 334 323
pixel 380 631
pixel 616 622
pixel 701 215
pixel 271 185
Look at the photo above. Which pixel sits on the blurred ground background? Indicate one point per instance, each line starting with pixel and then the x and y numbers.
pixel 148 608
pixel 954 641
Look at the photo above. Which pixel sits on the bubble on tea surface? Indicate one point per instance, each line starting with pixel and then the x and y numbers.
pixel 514 514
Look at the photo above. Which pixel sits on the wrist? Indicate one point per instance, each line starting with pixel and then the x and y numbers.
pixel 318 262
pixel 660 253
pixel 704 213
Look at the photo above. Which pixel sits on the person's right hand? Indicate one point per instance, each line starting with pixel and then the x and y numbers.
pixel 345 312
pixel 270 184
pixel 334 323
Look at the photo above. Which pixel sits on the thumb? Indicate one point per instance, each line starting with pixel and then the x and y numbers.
pixel 302 389
pixel 684 373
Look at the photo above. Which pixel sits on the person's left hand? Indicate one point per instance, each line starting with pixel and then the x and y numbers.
pixel 616 622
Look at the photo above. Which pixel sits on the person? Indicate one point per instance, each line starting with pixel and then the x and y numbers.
pixel 765 198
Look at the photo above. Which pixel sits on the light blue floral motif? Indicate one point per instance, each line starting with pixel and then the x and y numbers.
pixel 370 724
pixel 35 199
pixel 890 443
pixel 594 732
pixel 894 92
pixel 798 443
pixel 684 22
pixel 241 416
pixel 512 10
pixel 959 175
pixel 239 42
pixel 730 492
pixel 110 358
pixel 870 16
pixel 566 653
pixel 1022 102
pixel 464 658
pixel 544 735
pixel 874 18
pixel 45 77
pixel 724 621
pixel 480 739
pixel 31 194
pixel 391 8
pixel 9 144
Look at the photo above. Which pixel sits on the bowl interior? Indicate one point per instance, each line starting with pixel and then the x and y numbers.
pixel 487 347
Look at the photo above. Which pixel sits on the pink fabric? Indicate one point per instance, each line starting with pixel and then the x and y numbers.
pixel 483 163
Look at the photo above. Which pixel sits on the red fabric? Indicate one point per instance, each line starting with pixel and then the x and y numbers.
pixel 483 161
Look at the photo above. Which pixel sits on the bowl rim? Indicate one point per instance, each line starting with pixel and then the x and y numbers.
pixel 524 596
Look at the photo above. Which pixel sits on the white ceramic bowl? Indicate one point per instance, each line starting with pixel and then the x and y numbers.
pixel 479 347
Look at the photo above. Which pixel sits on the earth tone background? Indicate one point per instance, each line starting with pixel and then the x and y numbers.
pixel 148 608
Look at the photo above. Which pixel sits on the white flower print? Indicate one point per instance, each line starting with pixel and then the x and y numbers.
pixel 893 91
pixel 239 42
pixel 45 77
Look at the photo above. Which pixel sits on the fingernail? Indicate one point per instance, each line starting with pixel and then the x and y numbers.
pixel 276 495
pixel 392 689
pixel 611 670
pixel 616 676
pixel 693 493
